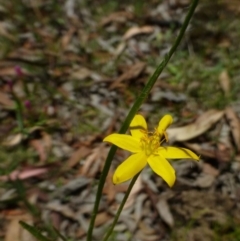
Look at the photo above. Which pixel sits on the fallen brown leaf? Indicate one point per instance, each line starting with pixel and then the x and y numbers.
pixel 132 73
pixel 136 188
pixel 13 140
pixel 93 162
pixel 210 151
pixel 67 38
pixel 147 230
pixel 164 212
pixel 81 74
pixel 224 135
pixel 5 101
pixel 47 141
pixel 4 31
pixel 76 157
pixel 119 49
pixel 137 30
pixel 15 232
pixel 102 218
pixel 109 189
pixel 24 174
pixel 120 17
pixel 209 169
pixel 39 147
pixel 138 206
pixel 235 125
pixel 224 81
pixel 204 181
pixel 64 209
pixel 42 146
pixel 202 124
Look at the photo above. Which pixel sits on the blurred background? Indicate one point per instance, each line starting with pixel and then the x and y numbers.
pixel 69 73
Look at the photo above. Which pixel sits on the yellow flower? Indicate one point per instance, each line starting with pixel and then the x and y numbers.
pixel 146 148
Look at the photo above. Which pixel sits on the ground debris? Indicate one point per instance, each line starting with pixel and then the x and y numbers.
pixel 70 72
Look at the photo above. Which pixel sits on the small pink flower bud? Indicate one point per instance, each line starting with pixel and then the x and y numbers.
pixel 27 104
pixel 18 70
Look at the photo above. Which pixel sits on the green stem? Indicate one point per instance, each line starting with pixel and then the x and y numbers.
pixel 19 113
pixel 134 110
pixel 121 207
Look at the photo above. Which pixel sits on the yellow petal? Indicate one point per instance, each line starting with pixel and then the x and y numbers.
pixel 164 123
pixel 130 167
pixel 125 142
pixel 138 126
pixel 163 168
pixel 171 152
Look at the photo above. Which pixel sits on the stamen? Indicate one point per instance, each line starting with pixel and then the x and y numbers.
pixel 150 142
pixel 165 135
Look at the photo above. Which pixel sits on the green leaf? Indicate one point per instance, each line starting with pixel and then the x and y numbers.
pixel 34 231
pixel 21 191
pixel 59 234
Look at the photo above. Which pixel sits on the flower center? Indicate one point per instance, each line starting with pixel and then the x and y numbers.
pixel 150 142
